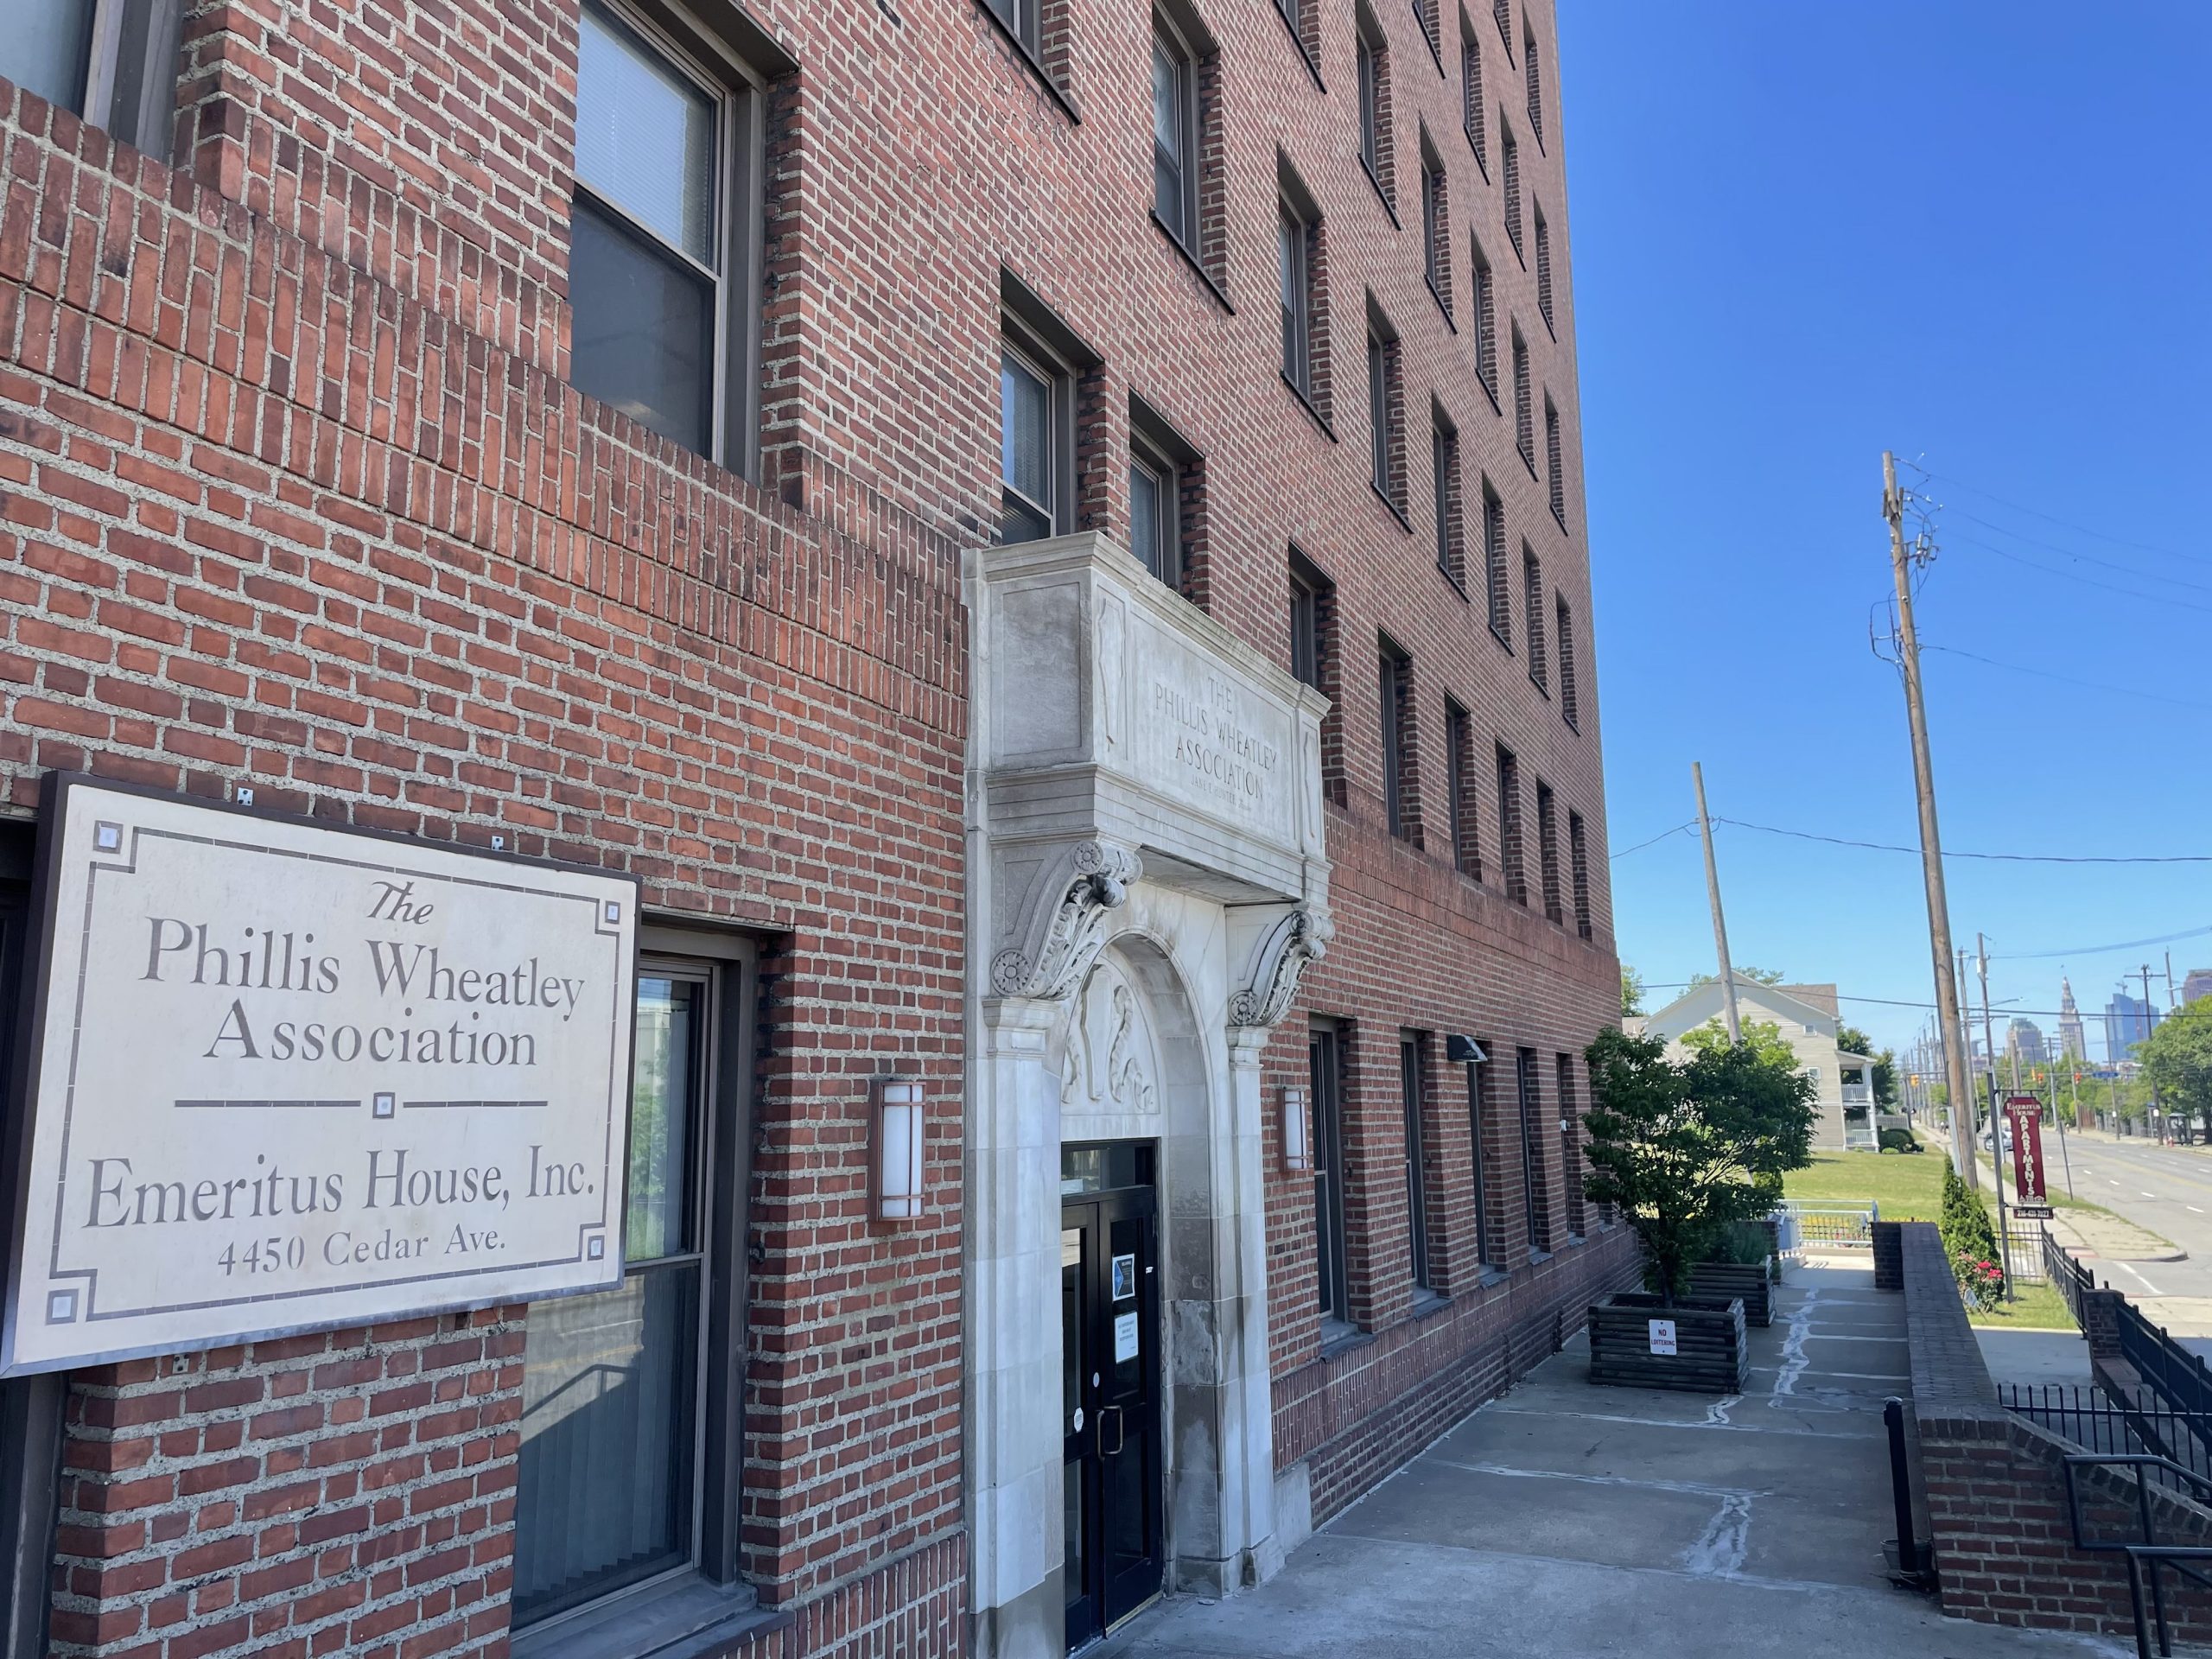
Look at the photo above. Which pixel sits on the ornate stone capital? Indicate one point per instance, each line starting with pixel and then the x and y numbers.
pixel 1300 937
pixel 1060 945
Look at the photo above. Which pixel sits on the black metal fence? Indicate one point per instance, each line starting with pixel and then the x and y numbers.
pixel 2097 1421
pixel 2063 1270
pixel 2178 1377
pixel 2023 1253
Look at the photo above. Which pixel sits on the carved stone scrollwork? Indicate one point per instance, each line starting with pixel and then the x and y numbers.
pixel 1076 931
pixel 1300 937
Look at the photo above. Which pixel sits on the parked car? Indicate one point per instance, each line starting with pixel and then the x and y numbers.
pixel 1988 1137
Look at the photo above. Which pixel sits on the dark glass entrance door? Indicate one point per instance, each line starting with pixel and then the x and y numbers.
pixel 1110 1312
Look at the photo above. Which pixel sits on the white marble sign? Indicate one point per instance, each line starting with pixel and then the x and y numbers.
pixel 286 1077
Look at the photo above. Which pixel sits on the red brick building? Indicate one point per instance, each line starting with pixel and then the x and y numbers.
pixel 1110 649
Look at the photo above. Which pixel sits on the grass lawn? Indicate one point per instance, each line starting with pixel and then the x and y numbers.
pixel 1909 1186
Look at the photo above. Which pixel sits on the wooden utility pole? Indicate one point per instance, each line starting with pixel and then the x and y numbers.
pixel 1720 925
pixel 1931 841
pixel 2149 1027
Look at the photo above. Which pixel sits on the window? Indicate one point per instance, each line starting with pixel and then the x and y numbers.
pixel 1536 78
pixel 1307 601
pixel 1459 734
pixel 1532 605
pixel 1555 474
pixel 1511 873
pixel 1577 848
pixel 1409 1099
pixel 635 1378
pixel 1293 265
pixel 1324 1069
pixel 1397 733
pixel 1487 1228
pixel 1425 14
pixel 1524 415
pixel 1174 133
pixel 1374 66
pixel 1444 464
pixel 1548 850
pixel 1384 415
pixel 1023 21
pixel 1563 631
pixel 1156 521
pixel 1511 153
pixel 1534 1188
pixel 114 62
pixel 1570 1149
pixel 1494 581
pixel 1501 13
pixel 1434 229
pixel 1470 98
pixel 666 238
pixel 1485 321
pixel 1544 270
pixel 1037 439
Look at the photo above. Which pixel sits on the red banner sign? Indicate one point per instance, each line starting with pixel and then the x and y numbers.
pixel 2024 1115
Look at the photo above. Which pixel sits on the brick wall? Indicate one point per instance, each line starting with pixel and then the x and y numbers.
pixel 1995 1485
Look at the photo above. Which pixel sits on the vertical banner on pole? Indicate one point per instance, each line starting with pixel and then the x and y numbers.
pixel 2023 1116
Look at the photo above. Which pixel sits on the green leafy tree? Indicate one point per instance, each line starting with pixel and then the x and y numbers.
pixel 1757 975
pixel 1631 992
pixel 2177 1060
pixel 1763 1037
pixel 1683 1150
pixel 1851 1040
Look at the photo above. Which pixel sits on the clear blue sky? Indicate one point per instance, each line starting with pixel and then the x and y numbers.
pixel 1976 234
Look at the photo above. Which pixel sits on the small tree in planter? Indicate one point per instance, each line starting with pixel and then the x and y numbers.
pixel 1683 1152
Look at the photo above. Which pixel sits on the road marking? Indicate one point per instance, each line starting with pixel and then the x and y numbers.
pixel 2192 1209
pixel 2148 1195
pixel 2146 1284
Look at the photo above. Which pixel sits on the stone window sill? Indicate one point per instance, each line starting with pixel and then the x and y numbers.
pixel 684 1617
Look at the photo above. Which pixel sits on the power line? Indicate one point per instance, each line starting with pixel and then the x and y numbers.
pixel 2034 512
pixel 2067 679
pixel 1653 841
pixel 2099 950
pixel 2071 575
pixel 2002 858
pixel 2077 553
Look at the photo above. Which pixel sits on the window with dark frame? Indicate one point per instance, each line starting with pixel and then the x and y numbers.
pixel 1547 851
pixel 1023 20
pixel 629 1378
pixel 1531 70
pixel 1396 681
pixel 1434 227
pixel 1383 414
pixel 1485 316
pixel 1470 98
pixel 1524 410
pixel 1534 1188
pixel 1512 875
pixel 1509 164
pixel 1570 707
pixel 1444 471
pixel 113 62
pixel 1373 67
pixel 1307 630
pixel 1325 1074
pixel 1409 1098
pixel 1156 508
pixel 1487 1227
pixel 1459 731
pixel 1532 607
pixel 1570 1149
pixel 1037 439
pixel 1293 262
pixel 1174 132
pixel 1495 588
pixel 665 235
pixel 1501 13
pixel 1577 848
pixel 1543 231
pixel 1554 467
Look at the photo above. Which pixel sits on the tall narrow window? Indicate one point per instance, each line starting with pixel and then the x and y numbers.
pixel 1495 587
pixel 1023 21
pixel 1544 270
pixel 1570 1148
pixel 1370 106
pixel 664 240
pixel 1501 13
pixel 1548 850
pixel 626 1378
pixel 1511 874
pixel 1487 1228
pixel 1524 408
pixel 1485 321
pixel 1532 607
pixel 1409 1098
pixel 1174 133
pixel 1530 68
pixel 1578 850
pixel 1471 98
pixel 1325 1070
pixel 1569 705
pixel 1554 468
pixel 1509 152
pixel 1444 463
pixel 1459 730
pixel 1396 685
pixel 1534 1188
pixel 1156 516
pixel 1382 414
pixel 1433 231
pixel 1292 264
pixel 1036 444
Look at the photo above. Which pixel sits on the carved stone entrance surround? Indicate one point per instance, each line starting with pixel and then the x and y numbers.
pixel 1148 880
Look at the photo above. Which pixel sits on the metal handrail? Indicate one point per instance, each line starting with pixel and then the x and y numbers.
pixel 2144 1554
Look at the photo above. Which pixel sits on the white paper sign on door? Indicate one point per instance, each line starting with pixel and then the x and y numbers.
pixel 1662 1336
pixel 1125 1338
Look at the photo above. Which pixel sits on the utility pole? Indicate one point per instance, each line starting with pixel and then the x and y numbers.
pixel 2149 1027
pixel 2065 1157
pixel 1720 925
pixel 1996 1121
pixel 1931 840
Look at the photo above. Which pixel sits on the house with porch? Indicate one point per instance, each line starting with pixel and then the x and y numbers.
pixel 1808 1020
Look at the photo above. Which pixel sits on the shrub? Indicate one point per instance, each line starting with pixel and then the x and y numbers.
pixel 1898 1141
pixel 1969 1239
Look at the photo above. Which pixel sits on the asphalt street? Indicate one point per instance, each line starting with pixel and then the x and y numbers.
pixel 2166 1189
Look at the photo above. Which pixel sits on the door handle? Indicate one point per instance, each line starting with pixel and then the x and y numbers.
pixel 1120 1438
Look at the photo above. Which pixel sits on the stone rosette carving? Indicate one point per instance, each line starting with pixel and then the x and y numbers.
pixel 1300 937
pixel 1076 931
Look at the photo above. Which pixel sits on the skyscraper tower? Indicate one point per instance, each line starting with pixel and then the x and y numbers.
pixel 2073 1041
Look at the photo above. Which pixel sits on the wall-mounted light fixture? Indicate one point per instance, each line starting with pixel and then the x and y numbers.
pixel 897 1149
pixel 1297 1132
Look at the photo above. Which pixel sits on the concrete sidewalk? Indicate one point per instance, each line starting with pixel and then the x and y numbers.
pixel 1570 1521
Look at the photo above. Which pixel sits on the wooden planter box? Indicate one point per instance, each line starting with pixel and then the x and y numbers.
pixel 1717 1281
pixel 1712 1355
